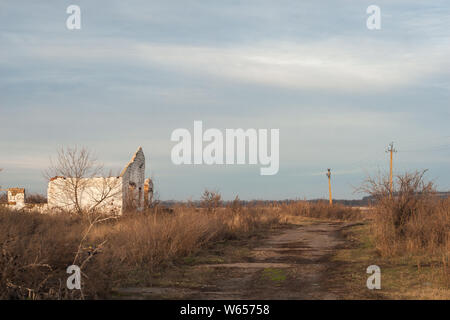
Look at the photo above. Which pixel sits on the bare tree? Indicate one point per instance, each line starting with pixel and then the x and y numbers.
pixel 376 186
pixel 79 187
pixel 211 200
pixel 236 205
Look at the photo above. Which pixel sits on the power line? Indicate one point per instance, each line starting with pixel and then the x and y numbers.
pixel 432 148
pixel 410 139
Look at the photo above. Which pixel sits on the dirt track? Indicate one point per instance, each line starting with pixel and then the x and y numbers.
pixel 290 265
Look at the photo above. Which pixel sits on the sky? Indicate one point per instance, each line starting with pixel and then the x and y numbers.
pixel 137 70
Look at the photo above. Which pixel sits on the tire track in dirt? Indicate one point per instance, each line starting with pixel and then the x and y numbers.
pixel 290 265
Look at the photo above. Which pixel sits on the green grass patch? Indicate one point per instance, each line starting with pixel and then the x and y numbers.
pixel 275 275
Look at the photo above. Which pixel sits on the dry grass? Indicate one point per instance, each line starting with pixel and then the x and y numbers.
pixel 412 223
pixel 413 220
pixel 36 249
pixel 425 229
pixel 401 276
pixel 322 210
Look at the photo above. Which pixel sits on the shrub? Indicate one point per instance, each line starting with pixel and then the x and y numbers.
pixel 411 220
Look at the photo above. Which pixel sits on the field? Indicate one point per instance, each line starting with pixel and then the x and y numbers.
pixel 300 250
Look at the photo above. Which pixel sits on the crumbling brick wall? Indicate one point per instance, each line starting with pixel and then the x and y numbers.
pixel 112 195
pixel 100 194
pixel 128 193
pixel 16 198
pixel 148 192
pixel 133 176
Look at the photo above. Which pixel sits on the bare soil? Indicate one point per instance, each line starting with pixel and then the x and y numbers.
pixel 292 264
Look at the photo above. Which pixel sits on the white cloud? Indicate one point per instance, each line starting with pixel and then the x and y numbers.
pixel 349 65
pixel 328 65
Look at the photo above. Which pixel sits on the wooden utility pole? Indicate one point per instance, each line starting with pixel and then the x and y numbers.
pixel 391 150
pixel 329 186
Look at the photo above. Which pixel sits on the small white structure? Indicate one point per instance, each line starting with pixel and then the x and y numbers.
pixel 16 198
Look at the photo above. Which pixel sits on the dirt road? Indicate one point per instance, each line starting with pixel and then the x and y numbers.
pixel 290 265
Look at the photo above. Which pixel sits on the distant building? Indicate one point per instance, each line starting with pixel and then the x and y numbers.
pixel 16 198
pixel 111 195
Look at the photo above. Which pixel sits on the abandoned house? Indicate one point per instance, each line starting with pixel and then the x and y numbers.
pixel 113 195
pixel 16 198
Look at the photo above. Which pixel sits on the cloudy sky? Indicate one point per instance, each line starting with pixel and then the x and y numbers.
pixel 137 70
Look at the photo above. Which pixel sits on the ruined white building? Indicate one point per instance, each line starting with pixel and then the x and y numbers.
pixel 16 198
pixel 112 195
